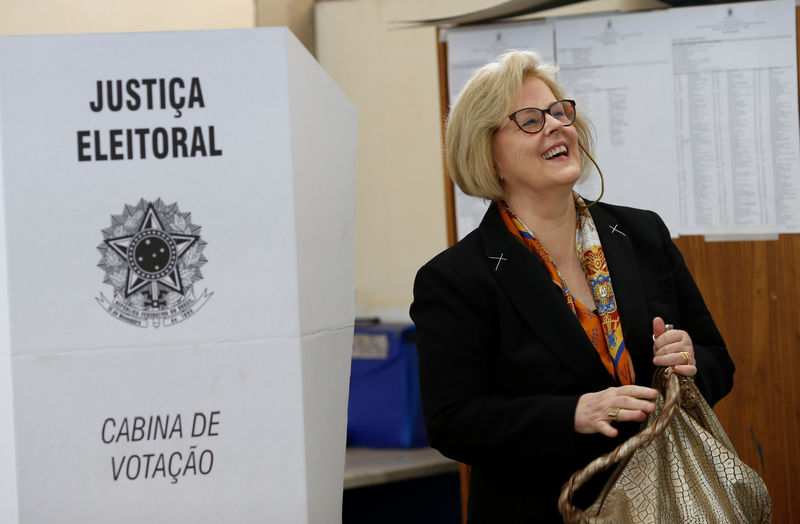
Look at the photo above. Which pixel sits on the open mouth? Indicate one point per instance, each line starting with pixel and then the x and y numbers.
pixel 555 152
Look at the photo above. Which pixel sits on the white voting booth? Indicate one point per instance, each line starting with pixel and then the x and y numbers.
pixel 176 280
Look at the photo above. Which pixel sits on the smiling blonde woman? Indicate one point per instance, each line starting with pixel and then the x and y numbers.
pixel 539 331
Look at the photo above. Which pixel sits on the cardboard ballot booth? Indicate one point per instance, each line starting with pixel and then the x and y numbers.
pixel 176 279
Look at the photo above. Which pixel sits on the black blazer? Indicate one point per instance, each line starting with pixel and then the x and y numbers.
pixel 503 360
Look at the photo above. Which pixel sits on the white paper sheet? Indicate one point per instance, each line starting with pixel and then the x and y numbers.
pixel 735 77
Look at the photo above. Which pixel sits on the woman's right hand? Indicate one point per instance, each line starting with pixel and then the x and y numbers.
pixel 594 410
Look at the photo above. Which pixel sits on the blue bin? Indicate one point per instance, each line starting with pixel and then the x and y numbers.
pixel 384 408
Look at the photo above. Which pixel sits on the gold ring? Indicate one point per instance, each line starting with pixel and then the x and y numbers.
pixel 687 358
pixel 667 327
pixel 612 413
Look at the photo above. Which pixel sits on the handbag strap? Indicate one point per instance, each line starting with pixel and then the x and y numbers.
pixel 666 381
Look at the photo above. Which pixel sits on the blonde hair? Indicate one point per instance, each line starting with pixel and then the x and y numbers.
pixel 482 107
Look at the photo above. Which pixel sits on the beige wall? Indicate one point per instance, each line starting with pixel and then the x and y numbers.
pixel 392 77
pixel 297 15
pixel 18 17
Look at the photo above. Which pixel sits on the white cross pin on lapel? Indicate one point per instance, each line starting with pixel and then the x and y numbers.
pixel 499 259
pixel 615 230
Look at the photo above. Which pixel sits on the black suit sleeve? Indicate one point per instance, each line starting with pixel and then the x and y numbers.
pixel 465 417
pixel 714 366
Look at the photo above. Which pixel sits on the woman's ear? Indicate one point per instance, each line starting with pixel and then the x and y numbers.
pixel 497 174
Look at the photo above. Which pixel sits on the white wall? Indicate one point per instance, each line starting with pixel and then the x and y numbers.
pixel 391 74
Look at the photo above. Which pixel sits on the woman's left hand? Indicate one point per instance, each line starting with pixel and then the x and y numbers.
pixel 673 347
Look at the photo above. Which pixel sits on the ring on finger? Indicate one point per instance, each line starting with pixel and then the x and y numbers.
pixel 612 413
pixel 687 357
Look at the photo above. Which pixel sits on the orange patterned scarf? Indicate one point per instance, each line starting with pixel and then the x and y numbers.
pixel 610 347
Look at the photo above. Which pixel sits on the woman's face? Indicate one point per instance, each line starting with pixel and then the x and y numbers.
pixel 524 161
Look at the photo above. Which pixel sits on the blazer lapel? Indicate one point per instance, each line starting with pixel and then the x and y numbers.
pixel 627 284
pixel 539 301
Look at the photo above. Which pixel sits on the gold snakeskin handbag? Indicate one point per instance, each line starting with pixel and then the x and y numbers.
pixel 681 467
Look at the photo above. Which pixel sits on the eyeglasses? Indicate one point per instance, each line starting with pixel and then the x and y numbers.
pixel 531 119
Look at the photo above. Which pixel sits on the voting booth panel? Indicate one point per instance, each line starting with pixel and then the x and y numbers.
pixel 176 278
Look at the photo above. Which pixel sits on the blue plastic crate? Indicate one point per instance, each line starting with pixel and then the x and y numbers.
pixel 384 408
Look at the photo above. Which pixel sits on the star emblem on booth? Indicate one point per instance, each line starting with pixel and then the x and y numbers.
pixel 152 254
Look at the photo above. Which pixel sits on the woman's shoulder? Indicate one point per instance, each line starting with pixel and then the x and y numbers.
pixel 636 220
pixel 625 211
pixel 469 253
pixel 460 254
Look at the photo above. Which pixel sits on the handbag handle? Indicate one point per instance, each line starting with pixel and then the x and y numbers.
pixel 666 381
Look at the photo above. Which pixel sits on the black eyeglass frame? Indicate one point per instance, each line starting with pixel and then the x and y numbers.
pixel 513 116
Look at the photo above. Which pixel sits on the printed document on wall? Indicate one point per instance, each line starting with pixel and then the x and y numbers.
pixel 468 49
pixel 735 81
pixel 618 69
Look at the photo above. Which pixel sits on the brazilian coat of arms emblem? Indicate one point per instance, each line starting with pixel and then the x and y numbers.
pixel 151 256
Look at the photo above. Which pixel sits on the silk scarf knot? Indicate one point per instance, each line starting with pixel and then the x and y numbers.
pixel 611 346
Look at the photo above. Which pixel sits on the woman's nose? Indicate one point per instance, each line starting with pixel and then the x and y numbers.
pixel 551 124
